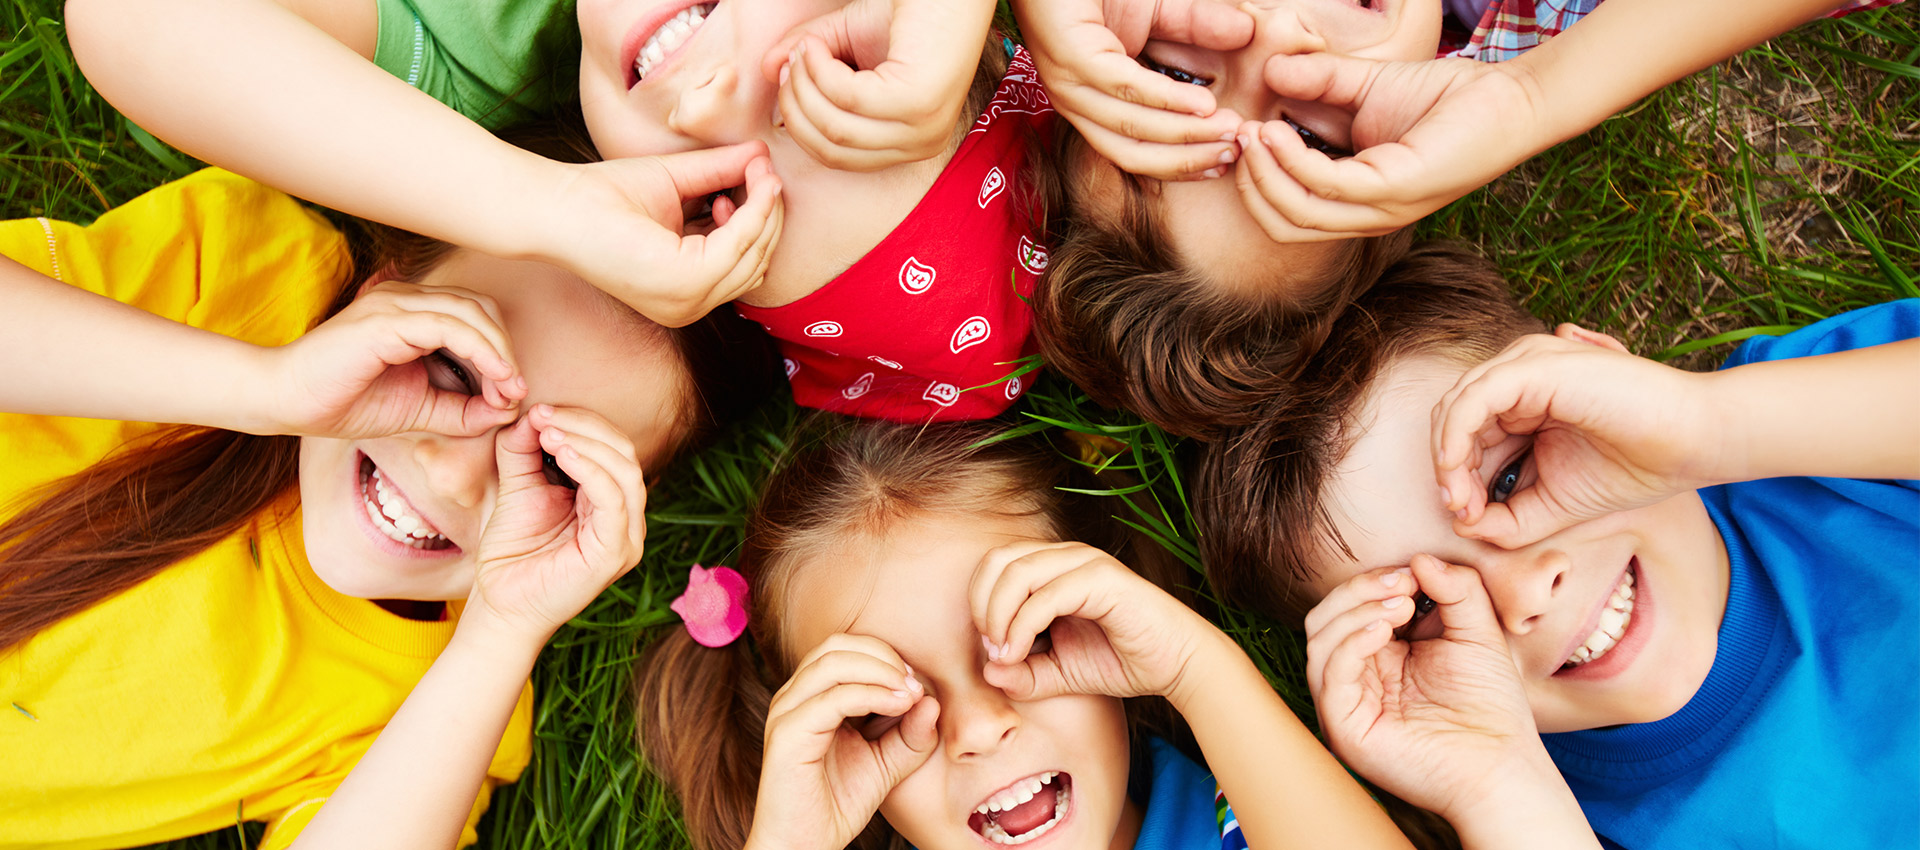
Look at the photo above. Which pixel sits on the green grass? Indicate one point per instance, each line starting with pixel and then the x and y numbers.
pixel 1772 190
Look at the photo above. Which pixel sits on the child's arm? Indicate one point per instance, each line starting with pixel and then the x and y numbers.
pixel 70 352
pixel 1114 633
pixel 1615 432
pixel 545 554
pixel 878 83
pixel 252 86
pixel 1429 132
pixel 1139 119
pixel 1442 723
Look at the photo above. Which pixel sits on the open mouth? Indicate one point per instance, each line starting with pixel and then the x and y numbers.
pixel 392 514
pixel 1614 619
pixel 667 38
pixel 1025 810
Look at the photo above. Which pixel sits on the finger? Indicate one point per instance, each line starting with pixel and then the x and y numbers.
pixel 1394 612
pixel 408 336
pixel 607 448
pixel 1306 217
pixel 908 745
pixel 1526 518
pixel 811 724
pixel 833 89
pixel 1077 588
pixel 516 454
pixel 599 500
pixel 843 663
pixel 1370 586
pixel 1461 601
pixel 579 420
pixel 479 312
pixel 1153 159
pixel 457 414
pixel 1344 689
pixel 800 126
pixel 1118 76
pixel 1475 419
pixel 1149 124
pixel 696 174
pixel 736 254
pixel 1006 577
pixel 1032 678
pixel 1326 78
pixel 1355 181
pixel 1210 24
pixel 843 137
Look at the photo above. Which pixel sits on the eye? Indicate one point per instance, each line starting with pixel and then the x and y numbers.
pixel 872 726
pixel 1422 626
pixel 1503 485
pixel 1178 75
pixel 446 373
pixel 1315 141
pixel 556 476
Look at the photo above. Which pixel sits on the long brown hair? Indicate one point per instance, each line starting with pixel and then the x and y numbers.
pixel 160 499
pixel 1122 317
pixel 701 713
pixel 1258 492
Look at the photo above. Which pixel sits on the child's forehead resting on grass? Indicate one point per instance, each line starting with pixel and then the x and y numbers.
pixel 1338 480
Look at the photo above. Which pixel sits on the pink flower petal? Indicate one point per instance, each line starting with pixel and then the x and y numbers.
pixel 714 606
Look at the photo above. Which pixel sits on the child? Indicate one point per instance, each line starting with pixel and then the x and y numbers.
pixel 204 624
pixel 1715 659
pixel 1189 298
pixel 897 288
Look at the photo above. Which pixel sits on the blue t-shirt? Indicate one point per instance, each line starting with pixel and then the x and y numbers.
pixel 1185 810
pixel 1807 730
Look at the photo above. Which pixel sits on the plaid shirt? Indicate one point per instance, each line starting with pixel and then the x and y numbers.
pixel 1512 27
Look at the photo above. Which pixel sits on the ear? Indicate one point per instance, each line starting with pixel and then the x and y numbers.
pixel 1574 333
pixel 373 280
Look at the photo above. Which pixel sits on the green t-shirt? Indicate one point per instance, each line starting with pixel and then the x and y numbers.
pixel 498 62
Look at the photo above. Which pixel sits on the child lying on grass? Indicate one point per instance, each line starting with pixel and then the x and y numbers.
pixel 899 133
pixel 1645 565
pixel 1232 189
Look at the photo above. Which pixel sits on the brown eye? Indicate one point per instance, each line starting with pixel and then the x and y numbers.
pixel 1178 75
pixel 1423 606
pixel 555 475
pixel 446 373
pixel 872 726
pixel 1315 141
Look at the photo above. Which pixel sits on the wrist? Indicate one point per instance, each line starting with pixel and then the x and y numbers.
pixel 540 198
pixel 1213 659
pixel 1524 802
pixel 249 394
pixel 481 631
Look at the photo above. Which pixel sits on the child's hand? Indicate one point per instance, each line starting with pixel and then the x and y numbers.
pixel 621 225
pixel 1142 121
pixel 1066 618
pixel 362 373
pixel 549 549
pixel 878 83
pixel 1424 134
pixel 1432 721
pixel 1611 432
pixel 821 779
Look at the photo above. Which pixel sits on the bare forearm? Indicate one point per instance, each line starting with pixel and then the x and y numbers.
pixel 1628 49
pixel 1851 414
pixel 69 352
pixel 416 785
pixel 251 86
pixel 1286 789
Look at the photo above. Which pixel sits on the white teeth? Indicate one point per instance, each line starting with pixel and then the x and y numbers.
pixel 993 832
pixel 394 518
pixel 1612 626
pixel 669 37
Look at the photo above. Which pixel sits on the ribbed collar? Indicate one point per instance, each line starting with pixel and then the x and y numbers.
pixel 281 542
pixel 1754 645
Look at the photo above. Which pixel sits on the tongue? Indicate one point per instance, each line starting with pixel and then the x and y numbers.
pixel 1021 819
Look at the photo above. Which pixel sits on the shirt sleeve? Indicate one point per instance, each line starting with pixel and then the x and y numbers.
pixel 497 62
pixel 1863 328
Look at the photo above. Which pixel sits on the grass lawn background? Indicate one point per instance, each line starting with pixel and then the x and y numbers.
pixel 1770 191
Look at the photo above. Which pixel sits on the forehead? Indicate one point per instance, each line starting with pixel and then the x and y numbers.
pixel 908 588
pixel 1383 497
pixel 578 347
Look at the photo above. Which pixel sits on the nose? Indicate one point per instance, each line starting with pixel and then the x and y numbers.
pixel 976 721
pixel 457 469
pixel 709 112
pixel 1524 585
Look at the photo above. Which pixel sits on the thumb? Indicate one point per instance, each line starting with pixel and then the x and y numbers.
pixel 1527 517
pixel 855 33
pixel 703 172
pixel 458 414
pixel 910 742
pixel 1210 24
pixel 1466 612
pixel 516 451
pixel 1338 81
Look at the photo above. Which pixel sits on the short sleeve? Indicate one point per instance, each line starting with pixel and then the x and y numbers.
pixel 497 62
pixel 1862 328
pixel 213 250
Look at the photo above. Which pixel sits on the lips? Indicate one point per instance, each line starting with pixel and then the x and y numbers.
pixel 659 36
pixel 1025 810
pixel 1616 632
pixel 390 513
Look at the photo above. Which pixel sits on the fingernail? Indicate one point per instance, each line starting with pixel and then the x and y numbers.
pixel 1226 156
pixel 1244 140
pixel 543 409
pixel 1213 172
pixel 785 72
pixel 1446 495
pixel 1460 514
pixel 1006 649
pixel 1229 136
pixel 993 652
pixel 914 685
pixel 555 436
pixel 1391 579
pixel 900 694
pixel 1374 626
pixel 1393 602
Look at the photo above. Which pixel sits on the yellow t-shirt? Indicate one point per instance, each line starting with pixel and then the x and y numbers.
pixel 234 685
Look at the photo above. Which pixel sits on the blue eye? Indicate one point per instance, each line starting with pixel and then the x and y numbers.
pixel 1177 75
pixel 1508 480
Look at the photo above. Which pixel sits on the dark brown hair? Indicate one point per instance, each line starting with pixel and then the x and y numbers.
pixel 701 713
pixel 1258 491
pixel 1123 318
pixel 160 499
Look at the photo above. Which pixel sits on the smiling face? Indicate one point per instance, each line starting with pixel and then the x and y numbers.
pixel 1611 621
pixel 1206 220
pixel 661 76
pixel 1055 768
pixel 400 517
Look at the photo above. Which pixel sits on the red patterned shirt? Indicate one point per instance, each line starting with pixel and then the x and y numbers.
pixel 1509 28
pixel 926 325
